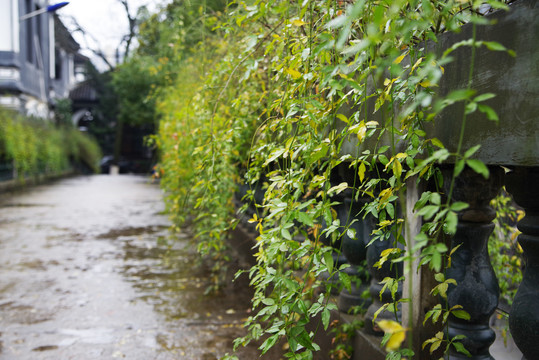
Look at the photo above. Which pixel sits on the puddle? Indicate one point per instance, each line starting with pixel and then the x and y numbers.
pixel 168 278
pixel 22 205
pixel 23 314
pixel 45 348
pixel 132 231
pixel 95 275
pixel 36 264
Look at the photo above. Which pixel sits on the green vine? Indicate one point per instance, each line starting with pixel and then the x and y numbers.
pixel 287 96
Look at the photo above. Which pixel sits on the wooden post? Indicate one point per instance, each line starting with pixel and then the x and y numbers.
pixel 418 281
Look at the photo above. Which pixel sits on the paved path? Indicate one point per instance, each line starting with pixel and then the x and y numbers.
pixel 85 273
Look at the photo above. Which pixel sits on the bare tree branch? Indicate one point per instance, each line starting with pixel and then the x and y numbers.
pixel 86 35
pixel 132 28
pixel 126 42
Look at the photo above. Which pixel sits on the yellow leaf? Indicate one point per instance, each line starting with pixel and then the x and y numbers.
pixel 425 169
pixel 398 334
pixel 385 194
pixel 520 214
pixel 419 61
pixel 383 224
pixel 401 156
pixel 383 257
pixel 294 73
pixel 372 123
pixel 361 132
pixel 361 171
pixel 399 59
pixel 343 118
pixel 397 168
pixel 298 22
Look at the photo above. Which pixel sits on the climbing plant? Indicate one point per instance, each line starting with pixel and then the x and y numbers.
pixel 279 95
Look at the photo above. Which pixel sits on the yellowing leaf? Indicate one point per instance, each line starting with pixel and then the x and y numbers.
pixel 384 254
pixel 361 171
pixel 397 168
pixel 294 73
pixel 399 59
pixel 338 188
pixel 401 156
pixel 343 118
pixel 398 334
pixel 372 123
pixel 298 22
pixel 361 132
pixel 385 194
pixel 383 224
pixel 417 63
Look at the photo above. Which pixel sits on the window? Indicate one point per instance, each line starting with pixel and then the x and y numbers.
pixel 58 59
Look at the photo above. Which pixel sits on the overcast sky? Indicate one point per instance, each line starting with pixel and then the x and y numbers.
pixel 105 20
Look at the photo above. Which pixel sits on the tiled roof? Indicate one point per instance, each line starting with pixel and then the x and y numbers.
pixel 63 37
pixel 83 92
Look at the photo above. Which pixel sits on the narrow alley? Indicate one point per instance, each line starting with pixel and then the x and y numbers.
pixel 88 270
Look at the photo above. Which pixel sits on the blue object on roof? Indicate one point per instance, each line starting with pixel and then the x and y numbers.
pixel 55 7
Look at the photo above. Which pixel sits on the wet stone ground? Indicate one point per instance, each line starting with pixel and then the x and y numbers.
pixel 88 270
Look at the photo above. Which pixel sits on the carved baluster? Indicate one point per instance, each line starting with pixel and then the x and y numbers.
pixel 337 255
pixel 523 183
pixel 477 289
pixel 355 252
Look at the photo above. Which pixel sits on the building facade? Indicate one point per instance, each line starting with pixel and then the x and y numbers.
pixel 37 58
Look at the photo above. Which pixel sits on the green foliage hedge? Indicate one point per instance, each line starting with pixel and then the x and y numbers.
pixel 274 95
pixel 35 146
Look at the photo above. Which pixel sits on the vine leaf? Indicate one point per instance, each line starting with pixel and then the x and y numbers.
pixel 328 259
pixel 294 73
pixel 479 167
pixel 435 342
pixel 461 314
pixel 488 111
pixel 461 349
pixel 325 318
pixel 361 171
pixel 398 334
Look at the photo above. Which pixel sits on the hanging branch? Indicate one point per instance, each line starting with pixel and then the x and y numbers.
pixel 86 35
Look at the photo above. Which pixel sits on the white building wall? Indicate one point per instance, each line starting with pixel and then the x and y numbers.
pixel 52 55
pixel 71 70
pixel 9 25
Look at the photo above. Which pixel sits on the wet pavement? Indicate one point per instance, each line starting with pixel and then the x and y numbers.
pixel 88 270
